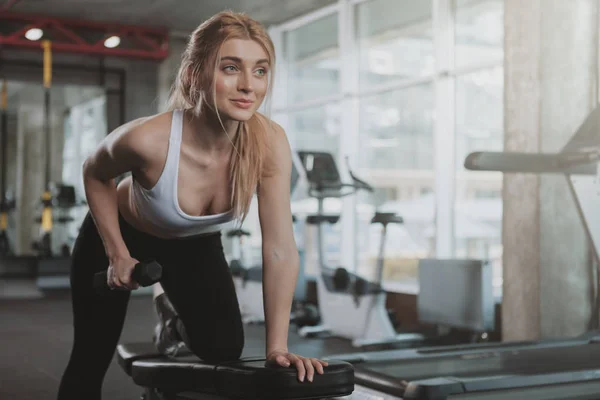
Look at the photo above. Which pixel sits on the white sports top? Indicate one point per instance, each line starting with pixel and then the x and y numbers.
pixel 160 206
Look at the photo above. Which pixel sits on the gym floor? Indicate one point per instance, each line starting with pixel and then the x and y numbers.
pixel 36 337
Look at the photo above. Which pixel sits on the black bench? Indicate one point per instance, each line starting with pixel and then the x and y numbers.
pixel 187 377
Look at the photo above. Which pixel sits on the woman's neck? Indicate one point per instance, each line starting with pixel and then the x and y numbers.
pixel 209 133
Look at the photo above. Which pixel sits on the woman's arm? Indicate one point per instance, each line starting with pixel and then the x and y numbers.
pixel 118 153
pixel 280 254
pixel 280 258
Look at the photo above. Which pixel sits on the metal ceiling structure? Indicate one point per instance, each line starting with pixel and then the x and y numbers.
pixel 83 37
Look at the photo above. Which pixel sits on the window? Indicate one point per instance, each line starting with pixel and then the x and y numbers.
pixel 395 133
pixel 479 108
pixel 478 207
pixel 84 128
pixel 396 130
pixel 396 157
pixel 395 41
pixel 479 32
pixel 312 60
pixel 422 93
pixel 316 128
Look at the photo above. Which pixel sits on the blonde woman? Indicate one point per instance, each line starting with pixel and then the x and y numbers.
pixel 193 169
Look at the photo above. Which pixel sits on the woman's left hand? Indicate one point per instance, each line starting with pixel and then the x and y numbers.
pixel 306 366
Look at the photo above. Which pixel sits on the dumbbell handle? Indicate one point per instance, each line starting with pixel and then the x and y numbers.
pixel 144 273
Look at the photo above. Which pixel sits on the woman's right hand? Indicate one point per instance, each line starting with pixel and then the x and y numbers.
pixel 119 273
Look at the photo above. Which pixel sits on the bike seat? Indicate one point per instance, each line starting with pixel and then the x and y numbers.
pixel 315 219
pixel 386 218
pixel 237 233
pixel 254 274
pixel 236 268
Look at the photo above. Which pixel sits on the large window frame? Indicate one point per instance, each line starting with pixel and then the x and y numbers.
pixel 349 95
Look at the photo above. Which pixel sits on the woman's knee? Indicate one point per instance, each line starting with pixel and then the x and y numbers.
pixel 216 346
pixel 219 353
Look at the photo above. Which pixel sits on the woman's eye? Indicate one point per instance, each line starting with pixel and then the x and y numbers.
pixel 230 68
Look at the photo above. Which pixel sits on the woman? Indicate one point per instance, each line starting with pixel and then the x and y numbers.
pixel 193 169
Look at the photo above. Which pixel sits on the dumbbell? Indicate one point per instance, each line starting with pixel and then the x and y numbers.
pixel 144 273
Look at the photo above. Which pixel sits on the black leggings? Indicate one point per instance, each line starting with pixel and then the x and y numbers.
pixel 196 279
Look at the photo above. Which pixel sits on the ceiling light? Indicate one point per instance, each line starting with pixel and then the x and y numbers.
pixel 34 34
pixel 112 42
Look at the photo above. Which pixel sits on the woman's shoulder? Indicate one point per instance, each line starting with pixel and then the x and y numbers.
pixel 145 134
pixel 153 123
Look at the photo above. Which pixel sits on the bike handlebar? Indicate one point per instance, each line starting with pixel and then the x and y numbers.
pixel 360 184
pixel 335 190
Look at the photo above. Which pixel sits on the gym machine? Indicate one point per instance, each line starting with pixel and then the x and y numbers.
pixel 453 294
pixel 349 305
pixel 535 370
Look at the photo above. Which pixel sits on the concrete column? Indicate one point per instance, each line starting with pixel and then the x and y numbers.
pixel 550 87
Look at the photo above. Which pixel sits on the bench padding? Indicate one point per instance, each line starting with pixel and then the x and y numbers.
pixel 242 379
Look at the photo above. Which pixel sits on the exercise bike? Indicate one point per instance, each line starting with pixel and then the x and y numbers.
pixel 248 286
pixel 350 306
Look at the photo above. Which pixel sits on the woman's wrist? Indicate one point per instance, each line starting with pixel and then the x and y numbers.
pixel 118 253
pixel 280 349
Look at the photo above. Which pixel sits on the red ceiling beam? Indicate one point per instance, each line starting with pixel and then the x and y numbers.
pixel 68 36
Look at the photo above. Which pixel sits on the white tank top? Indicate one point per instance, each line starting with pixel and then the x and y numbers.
pixel 159 206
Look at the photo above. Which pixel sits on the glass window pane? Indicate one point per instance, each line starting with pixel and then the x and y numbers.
pixel 395 40
pixel 479 32
pixel 312 57
pixel 316 129
pixel 479 126
pixel 397 159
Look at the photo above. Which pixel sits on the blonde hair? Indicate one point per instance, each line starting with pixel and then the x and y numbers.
pixel 196 76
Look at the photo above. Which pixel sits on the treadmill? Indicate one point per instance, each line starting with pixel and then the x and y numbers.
pixel 549 369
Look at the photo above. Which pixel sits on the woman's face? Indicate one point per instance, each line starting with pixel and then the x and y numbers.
pixel 241 79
